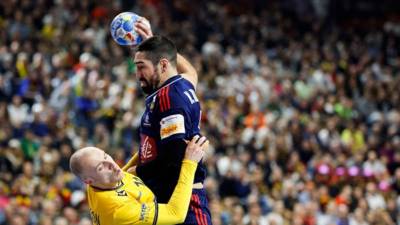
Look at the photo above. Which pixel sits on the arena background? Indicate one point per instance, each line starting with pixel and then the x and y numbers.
pixel 300 100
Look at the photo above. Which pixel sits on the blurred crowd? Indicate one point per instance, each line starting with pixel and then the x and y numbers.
pixel 303 113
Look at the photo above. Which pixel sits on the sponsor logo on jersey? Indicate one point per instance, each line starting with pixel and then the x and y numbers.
pixel 122 193
pixel 95 217
pixel 146 121
pixel 148 148
pixel 153 102
pixel 170 125
pixel 143 212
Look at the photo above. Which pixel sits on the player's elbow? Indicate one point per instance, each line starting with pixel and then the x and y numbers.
pixel 181 221
pixel 180 214
pixel 181 218
pixel 194 74
pixel 193 78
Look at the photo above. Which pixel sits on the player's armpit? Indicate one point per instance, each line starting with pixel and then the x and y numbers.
pixel 175 151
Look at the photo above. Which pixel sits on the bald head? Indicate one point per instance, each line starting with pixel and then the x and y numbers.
pixel 79 158
pixel 95 167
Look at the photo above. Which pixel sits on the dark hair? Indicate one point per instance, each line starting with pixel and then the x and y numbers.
pixel 158 47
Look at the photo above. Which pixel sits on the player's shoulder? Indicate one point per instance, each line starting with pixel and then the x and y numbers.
pixel 179 86
pixel 179 94
pixel 100 199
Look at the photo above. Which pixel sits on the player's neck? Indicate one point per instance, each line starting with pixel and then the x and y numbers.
pixel 168 74
pixel 107 187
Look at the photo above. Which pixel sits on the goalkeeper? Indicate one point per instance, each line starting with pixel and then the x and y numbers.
pixel 118 197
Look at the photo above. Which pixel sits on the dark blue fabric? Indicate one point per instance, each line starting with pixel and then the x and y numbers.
pixel 161 176
pixel 198 213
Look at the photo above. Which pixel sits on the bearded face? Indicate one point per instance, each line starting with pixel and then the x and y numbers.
pixel 146 73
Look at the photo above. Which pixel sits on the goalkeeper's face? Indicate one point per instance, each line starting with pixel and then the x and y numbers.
pixel 146 73
pixel 101 170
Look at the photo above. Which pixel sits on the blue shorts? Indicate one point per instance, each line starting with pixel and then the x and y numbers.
pixel 198 213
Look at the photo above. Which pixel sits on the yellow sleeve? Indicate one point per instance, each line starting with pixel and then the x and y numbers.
pixel 177 207
pixel 132 162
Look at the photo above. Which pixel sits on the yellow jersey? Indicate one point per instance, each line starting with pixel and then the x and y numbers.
pixel 131 202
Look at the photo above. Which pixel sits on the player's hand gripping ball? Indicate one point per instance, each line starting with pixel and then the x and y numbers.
pixel 123 29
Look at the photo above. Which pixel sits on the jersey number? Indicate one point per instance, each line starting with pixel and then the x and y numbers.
pixel 191 96
pixel 137 181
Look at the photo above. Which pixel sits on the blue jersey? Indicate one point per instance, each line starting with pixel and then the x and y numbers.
pixel 172 112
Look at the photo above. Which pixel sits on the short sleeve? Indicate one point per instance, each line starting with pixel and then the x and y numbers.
pixel 179 112
pixel 174 124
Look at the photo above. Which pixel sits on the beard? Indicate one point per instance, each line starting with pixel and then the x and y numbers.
pixel 151 85
pixel 146 87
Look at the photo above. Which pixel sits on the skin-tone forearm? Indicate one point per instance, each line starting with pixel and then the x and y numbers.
pixel 186 69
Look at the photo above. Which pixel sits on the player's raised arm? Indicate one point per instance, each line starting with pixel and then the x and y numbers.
pixel 186 69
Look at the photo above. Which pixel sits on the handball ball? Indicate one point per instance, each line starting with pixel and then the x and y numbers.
pixel 123 29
